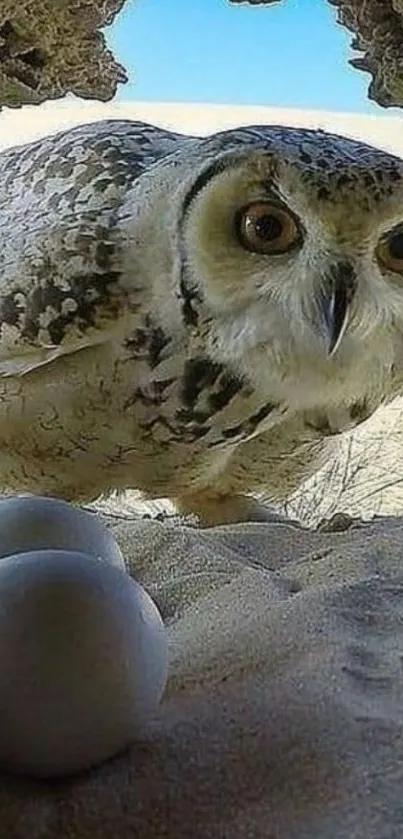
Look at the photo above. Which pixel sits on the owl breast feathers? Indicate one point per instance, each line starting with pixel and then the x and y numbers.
pixel 196 318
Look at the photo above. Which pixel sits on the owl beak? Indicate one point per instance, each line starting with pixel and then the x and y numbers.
pixel 336 303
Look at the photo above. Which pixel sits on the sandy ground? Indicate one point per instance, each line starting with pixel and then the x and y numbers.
pixel 283 715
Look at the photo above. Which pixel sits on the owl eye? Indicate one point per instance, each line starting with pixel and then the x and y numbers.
pixel 265 228
pixel 389 252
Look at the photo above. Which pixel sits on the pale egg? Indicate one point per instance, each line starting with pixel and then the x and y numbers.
pixel 33 522
pixel 83 662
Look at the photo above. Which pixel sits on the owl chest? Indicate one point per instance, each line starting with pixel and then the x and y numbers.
pixel 204 407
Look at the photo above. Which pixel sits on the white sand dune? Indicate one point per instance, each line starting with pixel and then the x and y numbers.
pixel 19 126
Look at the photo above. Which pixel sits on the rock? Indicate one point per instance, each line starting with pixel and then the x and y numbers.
pixel 378 28
pixel 52 47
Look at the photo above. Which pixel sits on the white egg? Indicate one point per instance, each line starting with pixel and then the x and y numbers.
pixel 83 662
pixel 31 523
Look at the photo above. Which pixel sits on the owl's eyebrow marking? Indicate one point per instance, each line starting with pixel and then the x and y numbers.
pixel 190 295
pixel 203 179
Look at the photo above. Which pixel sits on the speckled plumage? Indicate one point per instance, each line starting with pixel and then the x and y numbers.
pixel 141 346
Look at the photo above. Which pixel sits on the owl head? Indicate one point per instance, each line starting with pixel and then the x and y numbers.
pixel 286 249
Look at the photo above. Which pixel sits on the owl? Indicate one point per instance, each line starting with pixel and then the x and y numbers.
pixel 195 318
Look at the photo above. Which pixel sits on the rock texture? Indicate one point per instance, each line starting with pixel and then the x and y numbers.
pixel 52 47
pixel 378 29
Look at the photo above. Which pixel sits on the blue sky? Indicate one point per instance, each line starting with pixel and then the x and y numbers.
pixel 291 54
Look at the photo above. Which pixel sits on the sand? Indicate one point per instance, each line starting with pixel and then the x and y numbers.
pixel 283 715
pixel 32 122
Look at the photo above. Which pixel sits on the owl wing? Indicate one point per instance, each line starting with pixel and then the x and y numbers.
pixel 60 272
